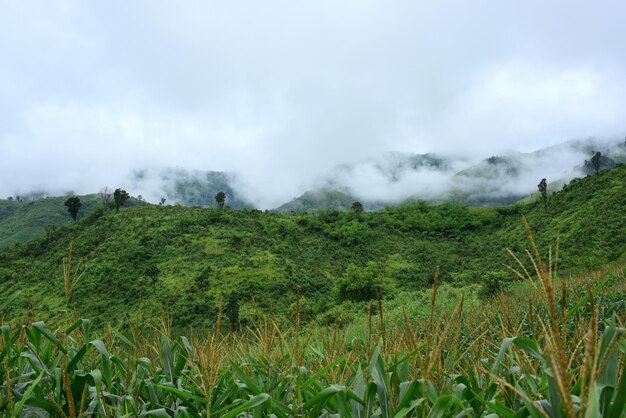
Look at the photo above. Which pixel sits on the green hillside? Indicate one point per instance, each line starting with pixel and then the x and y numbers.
pixel 145 261
pixel 320 199
pixel 24 220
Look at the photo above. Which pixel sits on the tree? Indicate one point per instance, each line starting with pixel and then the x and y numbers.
pixel 543 190
pixel 73 206
pixel 220 198
pixel 357 208
pixel 162 201
pixel 232 311
pixel 120 196
pixel 151 271
pixel 494 282
pixel 105 198
pixel 595 161
pixel 360 283
pixel 202 279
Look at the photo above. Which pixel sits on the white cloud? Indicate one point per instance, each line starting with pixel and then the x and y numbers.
pixel 281 92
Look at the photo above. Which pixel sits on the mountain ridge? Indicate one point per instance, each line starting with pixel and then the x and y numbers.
pixel 184 260
pixel 390 180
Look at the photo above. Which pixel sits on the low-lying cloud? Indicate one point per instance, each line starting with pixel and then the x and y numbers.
pixel 282 93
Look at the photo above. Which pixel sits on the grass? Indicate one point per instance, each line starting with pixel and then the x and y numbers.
pixel 546 348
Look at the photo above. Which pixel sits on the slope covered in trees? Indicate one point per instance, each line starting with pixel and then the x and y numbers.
pixel 27 219
pixel 24 220
pixel 146 261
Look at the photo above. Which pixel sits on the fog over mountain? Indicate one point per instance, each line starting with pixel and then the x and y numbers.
pixel 394 177
pixel 498 179
pixel 286 97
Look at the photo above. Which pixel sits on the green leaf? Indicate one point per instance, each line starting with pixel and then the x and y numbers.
pixel 17 410
pixel 85 323
pixel 530 346
pixel 379 376
pixel 408 394
pixel 77 357
pixel 42 404
pixel 41 327
pixel 246 379
pixel 441 406
pixel 157 413
pixel 322 371
pixel 166 358
pixel 370 397
pixel 619 402
pixel 594 408
pixel 252 403
pixel 408 409
pixel 124 339
pixel 506 343
pixel 107 373
pixel 320 399
pixel 585 299
pixel 182 394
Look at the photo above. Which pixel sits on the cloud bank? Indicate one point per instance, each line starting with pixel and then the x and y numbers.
pixel 280 93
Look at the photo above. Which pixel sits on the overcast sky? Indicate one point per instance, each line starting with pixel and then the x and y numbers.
pixel 280 92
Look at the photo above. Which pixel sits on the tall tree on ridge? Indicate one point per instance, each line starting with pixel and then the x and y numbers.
pixel 543 190
pixel 220 198
pixel 595 161
pixel 105 197
pixel 120 196
pixel 73 206
pixel 357 208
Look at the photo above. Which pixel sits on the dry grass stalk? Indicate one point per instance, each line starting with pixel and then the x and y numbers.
pixel 8 386
pixel 558 361
pixel 382 320
pixel 71 274
pixel 68 392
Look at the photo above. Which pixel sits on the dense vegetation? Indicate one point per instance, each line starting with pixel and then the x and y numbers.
pixel 147 261
pixel 31 217
pixel 22 220
pixel 397 313
pixel 527 353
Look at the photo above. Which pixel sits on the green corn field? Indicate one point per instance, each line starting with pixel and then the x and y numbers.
pixel 555 349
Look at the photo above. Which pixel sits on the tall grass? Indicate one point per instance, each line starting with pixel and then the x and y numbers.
pixel 71 274
pixel 556 349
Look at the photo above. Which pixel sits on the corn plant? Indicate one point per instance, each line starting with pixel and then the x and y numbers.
pixel 543 357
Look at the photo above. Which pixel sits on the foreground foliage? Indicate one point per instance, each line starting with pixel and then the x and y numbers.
pixel 551 349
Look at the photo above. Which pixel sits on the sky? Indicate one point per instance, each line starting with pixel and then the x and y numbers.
pixel 281 92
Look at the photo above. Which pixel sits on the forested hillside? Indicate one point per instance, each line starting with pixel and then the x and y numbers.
pixel 144 261
pixel 21 220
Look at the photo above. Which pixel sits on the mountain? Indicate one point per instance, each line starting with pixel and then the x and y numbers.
pixel 390 179
pixel 392 166
pixel 375 182
pixel 508 178
pixel 394 178
pixel 144 261
pixel 188 187
pixel 320 199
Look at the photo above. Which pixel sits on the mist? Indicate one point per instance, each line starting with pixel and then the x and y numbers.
pixel 279 95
